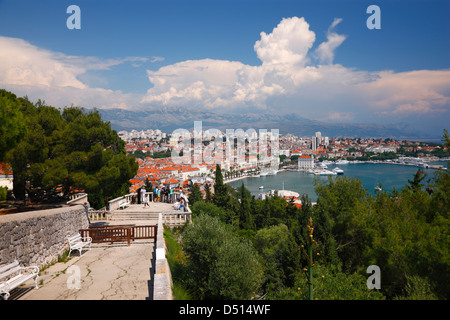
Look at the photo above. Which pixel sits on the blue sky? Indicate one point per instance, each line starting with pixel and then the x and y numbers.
pixel 203 54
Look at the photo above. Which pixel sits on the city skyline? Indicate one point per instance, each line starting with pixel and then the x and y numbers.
pixel 315 59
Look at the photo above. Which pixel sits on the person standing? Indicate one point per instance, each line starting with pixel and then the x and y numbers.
pixel 163 194
pixel 138 196
pixel 143 192
pixel 86 208
pixel 146 201
pixel 166 195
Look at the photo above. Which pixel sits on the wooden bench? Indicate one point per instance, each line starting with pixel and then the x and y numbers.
pixel 9 281
pixel 123 203
pixel 78 243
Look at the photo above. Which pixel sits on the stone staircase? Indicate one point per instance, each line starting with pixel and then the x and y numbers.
pixel 136 212
pixel 120 215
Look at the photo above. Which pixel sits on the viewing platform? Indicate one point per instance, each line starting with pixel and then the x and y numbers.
pixel 137 270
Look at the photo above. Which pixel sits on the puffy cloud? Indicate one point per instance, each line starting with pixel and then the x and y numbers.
pixel 288 81
pixel 288 43
pixel 325 51
pixel 25 64
pixel 221 83
pixel 412 92
pixel 54 77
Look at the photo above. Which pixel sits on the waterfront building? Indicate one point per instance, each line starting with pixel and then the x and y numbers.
pixel 305 162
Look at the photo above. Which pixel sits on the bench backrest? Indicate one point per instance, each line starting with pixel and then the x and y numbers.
pixel 9 269
pixel 75 239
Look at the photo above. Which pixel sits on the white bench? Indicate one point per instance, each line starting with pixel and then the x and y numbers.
pixel 123 203
pixel 77 243
pixel 9 282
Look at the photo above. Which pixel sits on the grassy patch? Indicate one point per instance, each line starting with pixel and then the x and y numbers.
pixel 177 260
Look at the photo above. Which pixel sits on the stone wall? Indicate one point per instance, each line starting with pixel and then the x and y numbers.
pixel 38 237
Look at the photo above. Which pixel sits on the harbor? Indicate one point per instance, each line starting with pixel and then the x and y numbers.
pixel 389 174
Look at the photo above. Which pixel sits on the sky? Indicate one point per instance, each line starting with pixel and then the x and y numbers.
pixel 317 59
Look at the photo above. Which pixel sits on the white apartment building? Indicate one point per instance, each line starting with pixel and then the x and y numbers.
pixel 305 162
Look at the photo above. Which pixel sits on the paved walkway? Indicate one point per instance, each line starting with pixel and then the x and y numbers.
pixel 106 272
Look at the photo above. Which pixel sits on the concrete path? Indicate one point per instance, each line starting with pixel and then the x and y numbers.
pixel 106 272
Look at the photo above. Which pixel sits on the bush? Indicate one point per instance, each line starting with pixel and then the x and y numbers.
pixel 3 192
pixel 220 265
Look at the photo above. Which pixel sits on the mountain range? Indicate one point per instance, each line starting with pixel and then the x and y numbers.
pixel 169 119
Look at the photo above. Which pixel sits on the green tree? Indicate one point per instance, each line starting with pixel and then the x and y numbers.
pixel 245 218
pixel 208 196
pixel 415 184
pixel 221 196
pixel 280 255
pixel 208 208
pixel 344 203
pixel 195 195
pixel 220 265
pixel 12 122
pixel 62 151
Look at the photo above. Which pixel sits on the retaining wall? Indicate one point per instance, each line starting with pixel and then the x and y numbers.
pixel 38 237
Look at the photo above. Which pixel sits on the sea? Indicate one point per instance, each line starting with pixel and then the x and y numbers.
pixel 371 174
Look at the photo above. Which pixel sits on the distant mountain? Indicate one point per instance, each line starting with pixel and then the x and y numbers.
pixel 169 119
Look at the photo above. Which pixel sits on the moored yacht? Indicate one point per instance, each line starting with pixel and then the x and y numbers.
pixel 324 173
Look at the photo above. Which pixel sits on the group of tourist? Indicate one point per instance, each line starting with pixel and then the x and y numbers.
pixel 163 194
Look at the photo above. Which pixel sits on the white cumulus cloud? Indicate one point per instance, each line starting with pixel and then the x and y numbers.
pixel 325 51
pixel 295 75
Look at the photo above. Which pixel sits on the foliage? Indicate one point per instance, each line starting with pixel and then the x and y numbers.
pixel 61 151
pixel 280 256
pixel 208 196
pixel 404 232
pixel 3 193
pixel 195 195
pixel 221 196
pixel 12 122
pixel 220 264
pixel 209 209
pixel 177 262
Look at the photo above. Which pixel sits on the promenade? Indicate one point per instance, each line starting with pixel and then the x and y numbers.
pixel 107 271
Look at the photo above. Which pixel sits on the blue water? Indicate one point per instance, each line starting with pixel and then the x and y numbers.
pixel 389 175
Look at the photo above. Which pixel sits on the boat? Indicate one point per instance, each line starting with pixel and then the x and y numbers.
pixel 342 162
pixel 338 170
pixel 378 188
pixel 324 173
pixel 261 187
